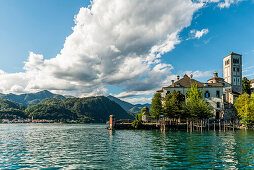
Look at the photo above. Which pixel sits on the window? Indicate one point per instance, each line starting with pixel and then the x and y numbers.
pixel 218 93
pixel 238 81
pixel 218 104
pixel 236 60
pixel 178 85
pixel 207 94
pixel 234 81
pixel 227 62
pixel 238 69
pixel 234 69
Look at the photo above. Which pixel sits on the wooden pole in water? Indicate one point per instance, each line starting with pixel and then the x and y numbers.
pixel 219 125
pixel 224 125
pixel 214 125
pixel 187 124
pixel 233 125
pixel 201 125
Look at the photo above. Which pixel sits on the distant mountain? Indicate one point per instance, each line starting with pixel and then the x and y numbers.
pixel 125 105
pixel 6 104
pixel 11 110
pixel 128 106
pixel 30 98
pixel 90 109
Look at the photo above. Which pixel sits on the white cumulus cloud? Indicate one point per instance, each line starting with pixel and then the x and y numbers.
pixel 114 42
pixel 198 34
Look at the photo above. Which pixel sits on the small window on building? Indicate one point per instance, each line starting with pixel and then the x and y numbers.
pixel 207 94
pixel 238 69
pixel 234 81
pixel 218 104
pixel 236 60
pixel 218 93
pixel 238 81
pixel 234 69
pixel 178 85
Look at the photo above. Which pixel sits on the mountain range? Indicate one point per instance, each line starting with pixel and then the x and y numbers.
pixel 30 99
pixel 131 108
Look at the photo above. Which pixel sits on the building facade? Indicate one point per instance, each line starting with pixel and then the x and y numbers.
pixel 219 92
pixel 252 85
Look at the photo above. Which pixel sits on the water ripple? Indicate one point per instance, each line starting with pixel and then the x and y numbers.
pixel 57 146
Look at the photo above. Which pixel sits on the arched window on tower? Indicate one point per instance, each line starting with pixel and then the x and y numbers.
pixel 207 94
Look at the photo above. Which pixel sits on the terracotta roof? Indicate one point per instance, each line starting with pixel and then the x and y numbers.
pixel 217 78
pixel 186 82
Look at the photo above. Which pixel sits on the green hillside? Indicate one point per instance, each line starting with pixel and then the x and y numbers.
pixel 11 110
pixel 90 109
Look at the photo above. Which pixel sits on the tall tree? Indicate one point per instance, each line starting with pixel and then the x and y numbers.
pixel 156 106
pixel 172 106
pixel 195 106
pixel 246 86
pixel 245 109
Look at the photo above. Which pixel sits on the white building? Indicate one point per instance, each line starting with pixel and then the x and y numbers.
pixel 252 85
pixel 219 92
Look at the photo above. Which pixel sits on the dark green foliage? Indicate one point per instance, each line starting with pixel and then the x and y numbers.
pixel 52 109
pixel 7 104
pixel 11 110
pixel 145 111
pixel 173 105
pixel 12 114
pixel 136 124
pixel 246 86
pixel 139 117
pixel 156 107
pixel 91 109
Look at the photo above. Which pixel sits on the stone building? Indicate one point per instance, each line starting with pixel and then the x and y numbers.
pixel 252 85
pixel 219 92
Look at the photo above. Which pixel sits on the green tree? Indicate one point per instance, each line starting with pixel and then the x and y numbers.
pixel 156 106
pixel 145 111
pixel 195 106
pixel 246 86
pixel 173 105
pixel 245 109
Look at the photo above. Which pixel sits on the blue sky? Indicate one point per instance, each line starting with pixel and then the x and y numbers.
pixel 41 27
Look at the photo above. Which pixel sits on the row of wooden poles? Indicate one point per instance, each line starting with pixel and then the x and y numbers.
pixel 200 125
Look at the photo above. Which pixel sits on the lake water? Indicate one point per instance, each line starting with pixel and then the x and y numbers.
pixel 92 146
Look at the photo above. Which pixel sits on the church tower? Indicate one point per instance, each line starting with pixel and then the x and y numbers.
pixel 232 71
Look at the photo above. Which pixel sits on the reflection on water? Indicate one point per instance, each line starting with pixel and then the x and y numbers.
pixel 92 146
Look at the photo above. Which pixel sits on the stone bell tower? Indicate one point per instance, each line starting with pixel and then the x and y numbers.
pixel 232 71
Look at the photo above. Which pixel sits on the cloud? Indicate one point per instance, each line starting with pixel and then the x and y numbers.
pixel 117 42
pixel 198 34
pixel 221 3
pixel 198 74
pixel 138 100
pixel 227 3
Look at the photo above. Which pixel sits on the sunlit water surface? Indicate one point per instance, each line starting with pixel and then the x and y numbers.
pixel 92 146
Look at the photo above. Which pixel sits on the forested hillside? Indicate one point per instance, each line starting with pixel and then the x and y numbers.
pixel 90 109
